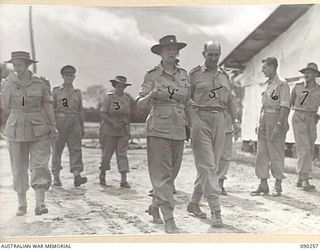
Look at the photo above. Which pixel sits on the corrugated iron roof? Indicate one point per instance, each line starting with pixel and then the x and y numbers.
pixel 278 22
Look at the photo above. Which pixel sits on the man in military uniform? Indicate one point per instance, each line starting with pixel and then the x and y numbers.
pixel 166 90
pixel 211 96
pixel 115 129
pixel 31 121
pixel 67 103
pixel 305 100
pixel 272 129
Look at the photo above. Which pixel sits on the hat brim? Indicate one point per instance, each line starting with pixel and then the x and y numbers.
pixel 304 70
pixel 156 49
pixel 116 82
pixel 28 60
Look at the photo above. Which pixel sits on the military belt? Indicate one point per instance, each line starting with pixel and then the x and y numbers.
pixel 209 109
pixel 174 105
pixel 270 110
pixel 62 114
pixel 305 112
pixel 26 110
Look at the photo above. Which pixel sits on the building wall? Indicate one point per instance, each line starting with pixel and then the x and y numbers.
pixel 296 47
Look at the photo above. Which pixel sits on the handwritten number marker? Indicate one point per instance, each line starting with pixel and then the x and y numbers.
pixel 305 97
pixel 172 92
pixel 274 97
pixel 116 105
pixel 65 102
pixel 212 93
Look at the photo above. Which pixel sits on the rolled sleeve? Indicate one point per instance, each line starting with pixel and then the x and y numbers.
pixel 105 104
pixel 47 98
pixel 147 86
pixel 285 95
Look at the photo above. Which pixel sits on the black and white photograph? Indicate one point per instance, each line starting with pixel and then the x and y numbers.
pixel 159 120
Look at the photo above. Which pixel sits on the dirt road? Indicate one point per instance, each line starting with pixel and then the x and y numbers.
pixel 96 210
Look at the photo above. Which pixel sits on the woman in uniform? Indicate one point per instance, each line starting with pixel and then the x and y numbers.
pixel 166 90
pixel 31 120
pixel 115 129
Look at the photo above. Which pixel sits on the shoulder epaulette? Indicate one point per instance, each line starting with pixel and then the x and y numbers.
pixel 153 69
pixel 37 79
pixel 195 69
pixel 299 83
pixel 221 70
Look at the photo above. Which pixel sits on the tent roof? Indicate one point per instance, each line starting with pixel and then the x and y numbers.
pixel 278 22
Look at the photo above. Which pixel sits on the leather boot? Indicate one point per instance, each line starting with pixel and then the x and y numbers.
pixel 56 181
pixel 216 220
pixel 22 209
pixel 79 180
pixel 223 191
pixel 277 188
pixel 263 188
pixel 171 227
pixel 299 183
pixel 40 206
pixel 195 209
pixel 102 178
pixel 154 212
pixel 307 186
pixel 125 184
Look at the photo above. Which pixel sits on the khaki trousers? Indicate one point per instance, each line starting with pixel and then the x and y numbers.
pixel 33 154
pixel 164 162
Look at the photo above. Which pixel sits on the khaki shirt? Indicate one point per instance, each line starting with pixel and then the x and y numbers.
pixel 305 99
pixel 167 117
pixel 117 108
pixel 67 101
pixel 212 90
pixel 24 99
pixel 276 95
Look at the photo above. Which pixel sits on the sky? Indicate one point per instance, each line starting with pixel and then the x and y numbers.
pixel 102 42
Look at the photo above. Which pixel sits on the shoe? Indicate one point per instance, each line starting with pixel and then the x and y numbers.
pixel 125 184
pixel 57 182
pixel 277 191
pixel 299 183
pixel 154 212
pixel 171 227
pixel 261 189
pixel 102 180
pixel 78 180
pixel 306 186
pixel 216 220
pixel 41 210
pixel 22 210
pixel 223 191
pixel 195 209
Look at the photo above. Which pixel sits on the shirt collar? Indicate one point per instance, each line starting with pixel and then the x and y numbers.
pixel 274 80
pixel 204 68
pixel 162 70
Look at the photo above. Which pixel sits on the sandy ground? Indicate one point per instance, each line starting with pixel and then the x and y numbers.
pixel 95 210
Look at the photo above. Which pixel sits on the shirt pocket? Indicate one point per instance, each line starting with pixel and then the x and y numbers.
pixel 160 120
pixel 10 128
pixel 39 125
